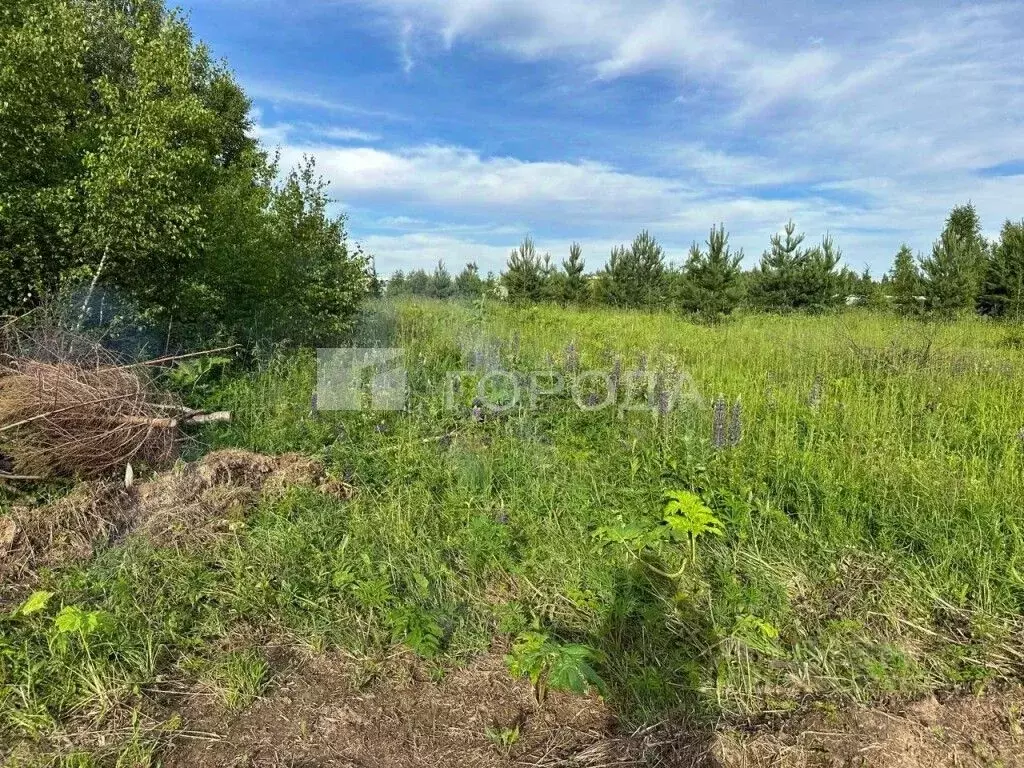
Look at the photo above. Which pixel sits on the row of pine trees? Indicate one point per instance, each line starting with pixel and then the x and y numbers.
pixel 964 272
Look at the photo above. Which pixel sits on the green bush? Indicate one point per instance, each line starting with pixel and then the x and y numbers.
pixel 126 163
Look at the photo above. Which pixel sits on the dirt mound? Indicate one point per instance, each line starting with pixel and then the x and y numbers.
pixel 316 715
pixel 178 508
pixel 209 496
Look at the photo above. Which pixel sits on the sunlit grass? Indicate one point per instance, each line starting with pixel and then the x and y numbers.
pixel 872 515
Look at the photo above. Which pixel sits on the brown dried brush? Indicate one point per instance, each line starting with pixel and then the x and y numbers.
pixel 66 419
pixel 69 407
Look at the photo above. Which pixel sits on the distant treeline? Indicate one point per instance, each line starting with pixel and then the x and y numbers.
pixel 964 272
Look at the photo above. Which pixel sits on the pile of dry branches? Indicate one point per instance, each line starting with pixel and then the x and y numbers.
pixel 70 408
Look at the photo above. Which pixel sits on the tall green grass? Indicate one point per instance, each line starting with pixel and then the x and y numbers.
pixel 872 511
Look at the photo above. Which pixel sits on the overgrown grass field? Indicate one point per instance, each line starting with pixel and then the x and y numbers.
pixel 862 475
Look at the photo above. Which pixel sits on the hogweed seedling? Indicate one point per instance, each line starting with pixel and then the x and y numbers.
pixel 685 519
pixel 553 665
pixel 503 739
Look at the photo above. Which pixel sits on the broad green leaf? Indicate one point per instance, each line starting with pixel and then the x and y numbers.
pixel 35 603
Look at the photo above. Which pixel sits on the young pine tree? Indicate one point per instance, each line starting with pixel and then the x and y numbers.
pixel 574 283
pixel 469 285
pixel 712 279
pixel 524 274
pixel 820 284
pixel 441 285
pixel 1003 293
pixel 396 285
pixel 775 282
pixel 649 259
pixel 905 282
pixel 953 274
pixel 964 223
pixel 418 283
pixel 949 279
pixel 635 276
pixel 617 279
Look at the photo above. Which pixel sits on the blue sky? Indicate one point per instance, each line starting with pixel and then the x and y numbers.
pixel 451 128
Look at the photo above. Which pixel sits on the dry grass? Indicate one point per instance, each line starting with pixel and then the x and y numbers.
pixel 68 407
pixel 183 508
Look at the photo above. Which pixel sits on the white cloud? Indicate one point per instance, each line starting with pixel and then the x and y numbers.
pixel 424 250
pixel 283 95
pixel 873 132
pixel 497 200
pixel 615 38
pixel 334 133
pixel 444 177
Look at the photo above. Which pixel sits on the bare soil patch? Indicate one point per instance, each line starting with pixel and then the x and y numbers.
pixel 319 712
pixel 953 732
pixel 317 715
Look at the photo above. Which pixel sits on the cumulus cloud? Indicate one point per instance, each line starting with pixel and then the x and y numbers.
pixel 868 122
pixel 446 177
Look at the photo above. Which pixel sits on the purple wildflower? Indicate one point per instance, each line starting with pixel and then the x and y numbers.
pixel 572 358
pixel 814 398
pixel 718 425
pixel 736 424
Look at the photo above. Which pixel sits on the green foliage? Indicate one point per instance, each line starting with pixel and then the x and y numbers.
pixel 239 676
pixel 574 289
pixel 503 739
pixel 469 284
pixel 35 603
pixel 688 518
pixel 551 665
pixel 417 629
pixel 1003 293
pixel 524 275
pixel 793 277
pixel 953 275
pixel 713 279
pixel 905 282
pixel 949 277
pixel 82 624
pixel 685 518
pixel 634 276
pixel 126 163
pixel 872 514
pixel 441 284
